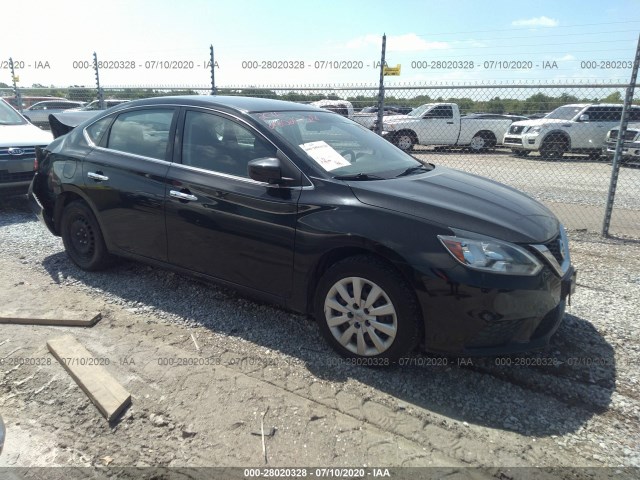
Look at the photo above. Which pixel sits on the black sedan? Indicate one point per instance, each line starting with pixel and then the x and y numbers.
pixel 300 207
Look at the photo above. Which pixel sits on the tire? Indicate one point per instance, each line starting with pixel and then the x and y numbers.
pixel 554 147
pixel 595 155
pixel 404 141
pixel 385 337
pixel 481 142
pixel 521 153
pixel 82 237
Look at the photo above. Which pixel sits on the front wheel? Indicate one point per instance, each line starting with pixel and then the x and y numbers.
pixel 82 237
pixel 553 148
pixel 365 310
pixel 404 141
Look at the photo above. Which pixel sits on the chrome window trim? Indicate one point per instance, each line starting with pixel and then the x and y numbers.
pixel 241 179
pixel 134 155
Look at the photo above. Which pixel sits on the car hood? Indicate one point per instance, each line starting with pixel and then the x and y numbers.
pixel 399 118
pixel 463 201
pixel 540 121
pixel 26 135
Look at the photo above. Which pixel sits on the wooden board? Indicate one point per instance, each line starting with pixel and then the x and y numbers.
pixel 104 391
pixel 44 316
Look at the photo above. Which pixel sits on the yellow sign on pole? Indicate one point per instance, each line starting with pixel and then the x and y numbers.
pixel 16 79
pixel 392 71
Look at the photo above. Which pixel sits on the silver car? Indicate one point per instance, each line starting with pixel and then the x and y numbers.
pixel 38 113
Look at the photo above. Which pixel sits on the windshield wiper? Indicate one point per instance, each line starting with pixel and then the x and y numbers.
pixel 359 176
pixel 414 169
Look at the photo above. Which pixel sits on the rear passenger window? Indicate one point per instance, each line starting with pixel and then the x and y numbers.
pixel 142 132
pixel 96 130
pixel 218 144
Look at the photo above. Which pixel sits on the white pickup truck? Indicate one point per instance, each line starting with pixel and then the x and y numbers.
pixel 441 124
pixel 577 128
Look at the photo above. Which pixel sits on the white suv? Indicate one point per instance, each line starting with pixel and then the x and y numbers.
pixel 578 128
pixel 18 142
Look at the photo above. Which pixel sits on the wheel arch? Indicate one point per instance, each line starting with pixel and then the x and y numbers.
pixel 64 199
pixel 558 134
pixel 333 256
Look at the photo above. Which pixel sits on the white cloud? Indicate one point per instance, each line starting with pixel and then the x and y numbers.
pixel 566 58
pixel 536 22
pixel 409 42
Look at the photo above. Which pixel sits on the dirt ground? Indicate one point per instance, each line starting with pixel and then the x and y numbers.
pixel 197 407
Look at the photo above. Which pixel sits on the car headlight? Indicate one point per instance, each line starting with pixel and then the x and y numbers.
pixel 491 255
pixel 536 129
pixel 388 128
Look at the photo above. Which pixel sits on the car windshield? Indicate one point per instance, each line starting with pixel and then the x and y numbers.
pixel 564 113
pixel 8 116
pixel 421 110
pixel 338 145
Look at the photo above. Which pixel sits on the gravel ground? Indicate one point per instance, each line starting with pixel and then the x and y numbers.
pixel 575 405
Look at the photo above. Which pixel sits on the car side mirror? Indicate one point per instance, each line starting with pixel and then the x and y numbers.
pixel 584 117
pixel 267 170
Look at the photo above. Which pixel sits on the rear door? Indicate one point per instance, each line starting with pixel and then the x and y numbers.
pixel 591 129
pixel 219 221
pixel 124 178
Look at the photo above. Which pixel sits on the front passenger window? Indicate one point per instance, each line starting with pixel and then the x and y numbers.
pixel 215 143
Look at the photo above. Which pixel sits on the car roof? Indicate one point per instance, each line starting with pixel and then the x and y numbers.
pixel 237 103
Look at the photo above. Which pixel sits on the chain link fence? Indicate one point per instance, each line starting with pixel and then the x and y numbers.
pixel 552 141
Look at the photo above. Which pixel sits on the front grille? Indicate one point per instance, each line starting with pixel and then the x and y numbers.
pixel 512 141
pixel 629 135
pixel 555 247
pixel 515 129
pixel 6 177
pixel 497 333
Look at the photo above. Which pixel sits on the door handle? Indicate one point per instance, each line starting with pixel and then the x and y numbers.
pixel 97 176
pixel 182 196
pixel 450 123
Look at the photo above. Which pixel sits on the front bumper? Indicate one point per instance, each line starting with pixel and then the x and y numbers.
pixel 630 150
pixel 508 315
pixel 525 141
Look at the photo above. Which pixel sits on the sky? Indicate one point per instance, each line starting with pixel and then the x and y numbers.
pixel 317 43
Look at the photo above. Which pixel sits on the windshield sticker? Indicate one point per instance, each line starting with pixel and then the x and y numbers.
pixel 325 155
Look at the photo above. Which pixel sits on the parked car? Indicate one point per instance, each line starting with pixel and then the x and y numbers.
pixel 341 107
pixel 442 124
pixel 18 142
pixel 630 145
pixel 38 113
pixel 304 208
pixel 27 101
pixel 368 115
pixel 95 105
pixel 577 128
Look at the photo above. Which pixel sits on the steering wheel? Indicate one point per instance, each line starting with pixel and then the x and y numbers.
pixel 351 153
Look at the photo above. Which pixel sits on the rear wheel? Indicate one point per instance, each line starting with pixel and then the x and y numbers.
pixel 482 141
pixel 82 237
pixel 365 310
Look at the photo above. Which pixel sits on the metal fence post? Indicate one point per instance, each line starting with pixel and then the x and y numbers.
pixel 213 73
pixel 381 89
pixel 16 90
pixel 615 167
pixel 97 71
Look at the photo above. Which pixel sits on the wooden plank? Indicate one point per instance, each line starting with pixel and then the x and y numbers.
pixel 35 316
pixel 104 391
